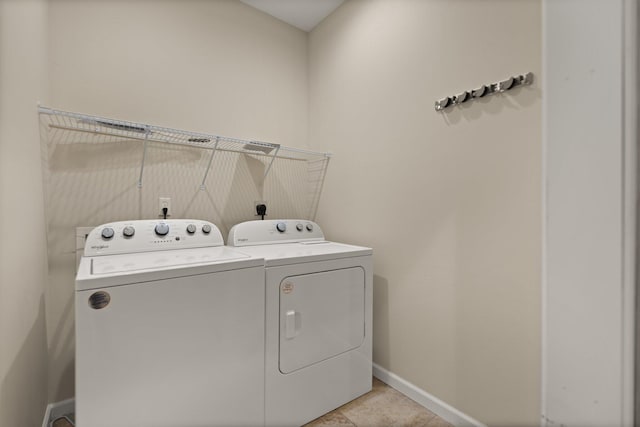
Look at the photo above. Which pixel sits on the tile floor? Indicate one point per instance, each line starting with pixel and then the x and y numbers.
pixel 383 406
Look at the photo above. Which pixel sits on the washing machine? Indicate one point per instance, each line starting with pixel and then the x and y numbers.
pixel 169 328
pixel 318 318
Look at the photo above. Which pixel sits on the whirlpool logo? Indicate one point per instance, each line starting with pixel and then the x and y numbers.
pixel 99 300
pixel 99 246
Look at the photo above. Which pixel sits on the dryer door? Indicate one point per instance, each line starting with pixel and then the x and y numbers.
pixel 321 315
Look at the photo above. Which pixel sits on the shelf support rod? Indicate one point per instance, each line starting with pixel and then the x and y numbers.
pixel 271 163
pixel 144 155
pixel 213 152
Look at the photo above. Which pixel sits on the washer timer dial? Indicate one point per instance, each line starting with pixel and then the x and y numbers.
pixel 162 229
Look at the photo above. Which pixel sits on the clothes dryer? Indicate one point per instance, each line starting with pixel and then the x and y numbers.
pixel 169 328
pixel 318 318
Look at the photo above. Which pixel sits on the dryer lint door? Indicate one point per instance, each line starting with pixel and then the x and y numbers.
pixel 321 316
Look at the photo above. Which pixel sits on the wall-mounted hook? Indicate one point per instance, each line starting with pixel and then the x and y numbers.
pixel 505 85
pixel 481 91
pixel 443 103
pixel 527 79
pixel 462 97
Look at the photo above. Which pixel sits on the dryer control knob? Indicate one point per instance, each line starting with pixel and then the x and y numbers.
pixel 281 227
pixel 107 233
pixel 162 229
pixel 191 228
pixel 128 231
pixel 299 227
pixel 206 229
pixel 309 227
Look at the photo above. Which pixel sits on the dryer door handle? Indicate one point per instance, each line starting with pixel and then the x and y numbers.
pixel 292 324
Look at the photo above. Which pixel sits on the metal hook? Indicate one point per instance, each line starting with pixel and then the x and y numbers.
pixel 480 92
pixel 506 84
pixel 462 97
pixel 443 103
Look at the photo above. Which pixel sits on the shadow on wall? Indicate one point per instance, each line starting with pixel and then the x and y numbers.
pixel 62 350
pixel 381 344
pixel 515 99
pixel 20 404
pixel 92 179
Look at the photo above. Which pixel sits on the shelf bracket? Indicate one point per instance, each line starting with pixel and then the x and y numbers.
pixel 144 155
pixel 275 154
pixel 213 152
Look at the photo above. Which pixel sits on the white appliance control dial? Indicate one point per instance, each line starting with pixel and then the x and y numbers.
pixel 281 227
pixel 162 229
pixel 206 229
pixel 191 228
pixel 128 231
pixel 107 233
pixel 299 227
pixel 309 227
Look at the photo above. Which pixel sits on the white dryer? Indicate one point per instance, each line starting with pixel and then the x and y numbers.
pixel 318 318
pixel 169 328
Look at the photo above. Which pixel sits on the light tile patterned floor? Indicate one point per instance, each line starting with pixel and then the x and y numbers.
pixel 383 406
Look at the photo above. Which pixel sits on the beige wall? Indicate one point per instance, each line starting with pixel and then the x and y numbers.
pixel 450 202
pixel 23 345
pixel 210 66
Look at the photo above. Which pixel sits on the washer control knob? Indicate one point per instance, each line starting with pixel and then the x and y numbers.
pixel 299 227
pixel 309 227
pixel 128 231
pixel 107 233
pixel 206 229
pixel 281 227
pixel 191 228
pixel 162 229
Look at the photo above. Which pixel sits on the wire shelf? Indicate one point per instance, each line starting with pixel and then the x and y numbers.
pixel 124 131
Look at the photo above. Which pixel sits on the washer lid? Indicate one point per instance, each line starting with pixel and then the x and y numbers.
pixel 160 260
pixel 113 270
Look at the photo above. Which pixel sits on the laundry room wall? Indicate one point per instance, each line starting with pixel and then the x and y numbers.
pixel 217 67
pixel 450 201
pixel 23 262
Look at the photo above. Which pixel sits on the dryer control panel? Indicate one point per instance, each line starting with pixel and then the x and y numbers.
pixel 269 232
pixel 124 237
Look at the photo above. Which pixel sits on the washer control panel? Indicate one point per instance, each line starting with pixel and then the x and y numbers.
pixel 269 232
pixel 124 237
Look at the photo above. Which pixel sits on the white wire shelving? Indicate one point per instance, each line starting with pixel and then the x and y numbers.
pixel 128 130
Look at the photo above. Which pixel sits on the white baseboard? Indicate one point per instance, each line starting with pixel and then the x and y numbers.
pixel 57 409
pixel 432 403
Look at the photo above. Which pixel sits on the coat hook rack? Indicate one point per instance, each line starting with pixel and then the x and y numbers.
pixel 485 90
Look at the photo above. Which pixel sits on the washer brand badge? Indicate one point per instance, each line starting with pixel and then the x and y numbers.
pixel 99 300
pixel 99 246
pixel 243 240
pixel 287 287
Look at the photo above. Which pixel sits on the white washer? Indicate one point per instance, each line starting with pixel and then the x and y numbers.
pixel 169 328
pixel 318 318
